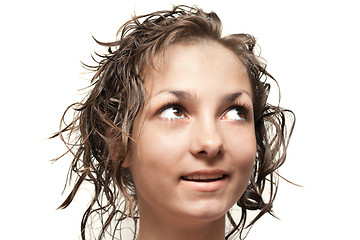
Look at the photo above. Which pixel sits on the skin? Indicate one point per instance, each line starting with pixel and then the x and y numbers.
pixel 204 131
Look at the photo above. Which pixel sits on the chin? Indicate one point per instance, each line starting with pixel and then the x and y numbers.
pixel 205 211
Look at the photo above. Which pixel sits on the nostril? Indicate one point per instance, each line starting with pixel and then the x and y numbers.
pixel 209 153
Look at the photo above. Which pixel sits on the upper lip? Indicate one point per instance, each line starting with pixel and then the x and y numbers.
pixel 205 174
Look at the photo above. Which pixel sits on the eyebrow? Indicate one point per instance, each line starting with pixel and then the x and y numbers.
pixel 180 94
pixel 187 96
pixel 233 96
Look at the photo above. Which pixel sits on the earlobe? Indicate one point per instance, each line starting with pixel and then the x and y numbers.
pixel 116 151
pixel 119 160
pixel 126 163
pixel 114 148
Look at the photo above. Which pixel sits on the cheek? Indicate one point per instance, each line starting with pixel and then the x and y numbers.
pixel 154 156
pixel 242 150
pixel 156 152
pixel 162 145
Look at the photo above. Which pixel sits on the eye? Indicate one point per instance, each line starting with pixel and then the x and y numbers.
pixel 172 112
pixel 235 113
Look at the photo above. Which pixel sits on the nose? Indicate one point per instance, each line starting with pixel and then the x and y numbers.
pixel 207 140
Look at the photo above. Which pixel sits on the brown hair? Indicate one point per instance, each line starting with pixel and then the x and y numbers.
pixel 103 120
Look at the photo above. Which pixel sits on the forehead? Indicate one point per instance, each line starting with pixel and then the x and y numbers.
pixel 194 66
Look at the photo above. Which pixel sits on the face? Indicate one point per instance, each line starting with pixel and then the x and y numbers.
pixel 195 140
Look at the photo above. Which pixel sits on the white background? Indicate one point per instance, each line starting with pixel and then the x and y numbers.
pixel 312 48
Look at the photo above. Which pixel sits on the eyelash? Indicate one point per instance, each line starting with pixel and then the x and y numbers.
pixel 244 108
pixel 170 104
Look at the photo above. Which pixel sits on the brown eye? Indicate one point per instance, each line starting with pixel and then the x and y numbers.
pixel 172 112
pixel 235 113
pixel 177 112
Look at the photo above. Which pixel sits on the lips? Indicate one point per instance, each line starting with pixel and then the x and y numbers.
pixel 205 180
pixel 203 177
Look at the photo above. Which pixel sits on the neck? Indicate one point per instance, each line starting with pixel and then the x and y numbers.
pixel 157 226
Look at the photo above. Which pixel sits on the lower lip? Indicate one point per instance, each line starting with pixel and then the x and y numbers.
pixel 205 186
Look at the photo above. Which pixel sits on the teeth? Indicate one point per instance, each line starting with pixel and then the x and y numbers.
pixel 203 177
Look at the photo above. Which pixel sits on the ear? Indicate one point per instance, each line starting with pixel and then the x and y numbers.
pixel 114 148
pixel 127 161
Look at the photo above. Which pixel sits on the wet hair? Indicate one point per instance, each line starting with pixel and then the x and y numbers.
pixel 100 131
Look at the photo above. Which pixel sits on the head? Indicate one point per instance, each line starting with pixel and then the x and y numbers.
pixel 113 118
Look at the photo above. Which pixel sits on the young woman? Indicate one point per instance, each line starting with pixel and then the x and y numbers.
pixel 176 130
